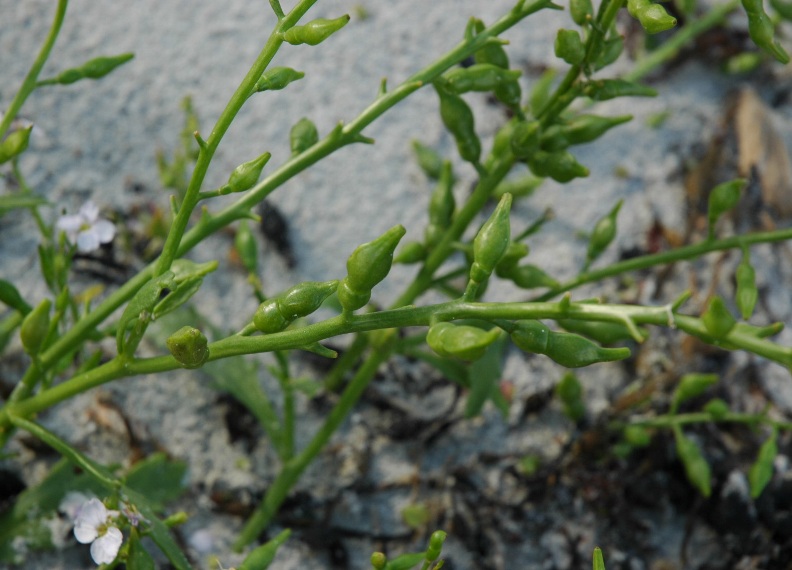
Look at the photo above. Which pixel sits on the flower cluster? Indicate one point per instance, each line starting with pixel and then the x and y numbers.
pixel 94 525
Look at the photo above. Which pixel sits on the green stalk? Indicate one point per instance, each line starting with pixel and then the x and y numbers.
pixel 29 83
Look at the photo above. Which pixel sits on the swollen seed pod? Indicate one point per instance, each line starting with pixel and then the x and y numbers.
pixel 525 139
pixel 609 52
pixel 458 119
pixel 653 17
pixel 367 266
pixel 11 297
pixel 561 166
pixel 603 234
pixel 569 47
pixel 35 327
pixel 305 298
pixel 567 349
pixel 315 31
pixel 460 341
pixel 508 93
pixel 378 561
pixel 570 392
pixel 508 263
pixel 268 318
pixel 760 27
pixel 491 241
pixel 603 333
pixel 189 347
pixel 690 386
pixel 441 206
pixel 717 408
pixel 747 293
pixel 15 144
pixel 428 159
pixel 277 78
pixel 723 198
pixel 303 135
pixel 637 436
pixel 717 319
pixel 554 139
pixel 92 69
pixel 582 11
pixel 435 545
pixel 478 77
pixel 586 128
pixel 411 252
pixel 605 89
pixel 245 176
pixel 530 277
pixel 245 244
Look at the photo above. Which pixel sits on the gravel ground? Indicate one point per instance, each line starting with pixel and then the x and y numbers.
pixel 407 444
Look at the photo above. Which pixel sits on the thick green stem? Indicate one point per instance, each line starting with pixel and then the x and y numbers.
pixel 29 83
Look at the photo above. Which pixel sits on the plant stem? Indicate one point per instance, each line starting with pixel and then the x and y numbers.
pixel 29 83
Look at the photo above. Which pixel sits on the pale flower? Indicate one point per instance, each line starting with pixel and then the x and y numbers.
pixel 93 525
pixel 86 229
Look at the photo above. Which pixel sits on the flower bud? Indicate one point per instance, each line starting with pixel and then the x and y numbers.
pixel 35 327
pixel 315 31
pixel 460 341
pixel 245 176
pixel 189 347
pixel 491 241
pixel 303 135
pixel 277 78
pixel 366 267
pixel 15 144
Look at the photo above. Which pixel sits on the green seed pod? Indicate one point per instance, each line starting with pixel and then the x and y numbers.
pixel 491 241
pixel 268 318
pixel 586 128
pixel 570 350
pixel 35 327
pixel 92 69
pixel 277 78
pixel 717 408
pixel 460 341
pixel 378 561
pixel 691 386
pixel 554 139
pixel 598 563
pixel 367 266
pixel 435 545
pixel 189 347
pixel 561 166
pixel 530 277
pixel 653 17
pixel 411 252
pixel 517 187
pixel 762 470
pixel 761 29
pixel 605 89
pixel 303 136
pixel 305 298
pixel 569 47
pixel 747 293
pixel 428 159
pixel 245 244
pixel 441 206
pixel 508 263
pixel 245 176
pixel 637 436
pixel 315 31
pixel 509 93
pixel 603 234
pixel 609 52
pixel 15 144
pixel 582 11
pixel 525 139
pixel 261 558
pixel 783 8
pixel 717 319
pixel 478 77
pixel 458 119
pixel 696 467
pixel 603 333
pixel 723 198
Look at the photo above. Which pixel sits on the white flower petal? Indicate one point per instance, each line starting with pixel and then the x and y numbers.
pixel 72 503
pixel 89 212
pixel 105 548
pixel 69 224
pixel 84 532
pixel 105 231
pixel 87 241
pixel 93 513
